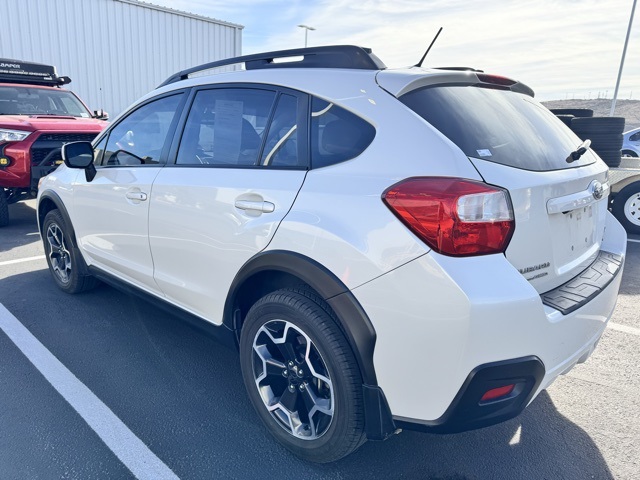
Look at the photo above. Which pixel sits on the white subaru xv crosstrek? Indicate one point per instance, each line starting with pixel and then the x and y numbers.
pixel 415 248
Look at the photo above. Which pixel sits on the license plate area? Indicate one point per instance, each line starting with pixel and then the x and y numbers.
pixel 574 235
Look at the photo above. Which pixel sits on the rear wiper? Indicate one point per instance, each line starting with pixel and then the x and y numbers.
pixel 582 149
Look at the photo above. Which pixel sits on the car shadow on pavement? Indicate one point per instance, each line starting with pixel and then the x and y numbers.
pixel 539 444
pixel 182 394
pixel 22 228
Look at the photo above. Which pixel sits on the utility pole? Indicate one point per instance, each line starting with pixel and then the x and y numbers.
pixel 624 53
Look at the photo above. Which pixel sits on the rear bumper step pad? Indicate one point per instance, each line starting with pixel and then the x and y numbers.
pixel 582 289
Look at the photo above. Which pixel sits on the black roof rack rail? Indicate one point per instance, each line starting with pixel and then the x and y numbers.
pixel 29 73
pixel 332 56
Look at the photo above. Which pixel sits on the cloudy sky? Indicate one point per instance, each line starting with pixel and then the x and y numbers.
pixel 561 48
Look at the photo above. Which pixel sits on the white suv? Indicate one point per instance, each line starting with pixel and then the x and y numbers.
pixel 414 248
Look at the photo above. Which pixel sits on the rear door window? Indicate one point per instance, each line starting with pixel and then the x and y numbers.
pixel 226 127
pixel 499 126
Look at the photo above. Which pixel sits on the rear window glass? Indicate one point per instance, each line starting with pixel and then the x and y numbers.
pixel 497 125
pixel 336 134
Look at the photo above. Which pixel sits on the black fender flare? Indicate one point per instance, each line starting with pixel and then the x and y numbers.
pixel 352 318
pixel 52 196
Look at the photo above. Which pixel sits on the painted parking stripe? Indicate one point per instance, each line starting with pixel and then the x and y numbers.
pixel 131 451
pixel 624 328
pixel 21 260
pixel 633 240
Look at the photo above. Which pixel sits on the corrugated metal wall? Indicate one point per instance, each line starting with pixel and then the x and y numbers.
pixel 115 51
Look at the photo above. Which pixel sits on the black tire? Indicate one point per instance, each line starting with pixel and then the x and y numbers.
pixel 295 377
pixel 626 207
pixel 607 141
pixel 612 158
pixel 4 209
pixel 576 112
pixel 566 119
pixel 629 153
pixel 65 262
pixel 597 125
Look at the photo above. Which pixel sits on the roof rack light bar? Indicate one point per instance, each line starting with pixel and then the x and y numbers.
pixel 334 56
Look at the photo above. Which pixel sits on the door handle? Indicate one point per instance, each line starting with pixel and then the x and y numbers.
pixel 258 206
pixel 138 196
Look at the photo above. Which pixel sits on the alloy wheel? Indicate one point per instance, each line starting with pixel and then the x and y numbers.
pixel 59 255
pixel 292 379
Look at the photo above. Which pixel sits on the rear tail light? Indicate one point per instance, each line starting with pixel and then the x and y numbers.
pixel 454 216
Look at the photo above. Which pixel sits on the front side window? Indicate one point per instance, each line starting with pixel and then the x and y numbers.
pixel 138 140
pixel 225 127
pixel 337 135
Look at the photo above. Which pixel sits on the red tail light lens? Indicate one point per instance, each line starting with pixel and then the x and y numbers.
pixel 454 216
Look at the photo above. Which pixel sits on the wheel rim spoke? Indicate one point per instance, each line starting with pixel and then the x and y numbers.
pixel 292 379
pixel 59 255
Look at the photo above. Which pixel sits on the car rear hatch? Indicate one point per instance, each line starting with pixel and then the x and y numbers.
pixel 517 144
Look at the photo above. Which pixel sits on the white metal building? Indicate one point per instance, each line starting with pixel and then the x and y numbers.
pixel 115 51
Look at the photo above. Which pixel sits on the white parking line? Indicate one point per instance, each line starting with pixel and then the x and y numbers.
pixel 131 451
pixel 633 240
pixel 624 328
pixel 20 260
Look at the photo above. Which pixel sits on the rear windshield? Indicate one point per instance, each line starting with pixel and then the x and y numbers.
pixel 497 125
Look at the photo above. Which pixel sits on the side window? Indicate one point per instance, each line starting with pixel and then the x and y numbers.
pixel 336 134
pixel 225 127
pixel 281 147
pixel 139 138
pixel 635 137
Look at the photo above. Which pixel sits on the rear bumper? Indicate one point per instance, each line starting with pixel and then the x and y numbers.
pixel 468 411
pixel 439 318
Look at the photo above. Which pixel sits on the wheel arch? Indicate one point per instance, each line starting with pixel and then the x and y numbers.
pixel 273 270
pixel 49 201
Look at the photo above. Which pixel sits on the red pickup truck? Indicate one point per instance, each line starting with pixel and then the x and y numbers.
pixel 37 117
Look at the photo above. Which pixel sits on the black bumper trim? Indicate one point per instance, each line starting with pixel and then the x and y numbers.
pixel 467 412
pixel 582 289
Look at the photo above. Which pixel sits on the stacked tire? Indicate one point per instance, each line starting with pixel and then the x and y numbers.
pixel 605 133
pixel 576 112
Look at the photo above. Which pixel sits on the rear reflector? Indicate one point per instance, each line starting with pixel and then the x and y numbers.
pixel 496 393
pixel 454 216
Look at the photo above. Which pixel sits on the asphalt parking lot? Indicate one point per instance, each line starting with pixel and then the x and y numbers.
pixel 104 385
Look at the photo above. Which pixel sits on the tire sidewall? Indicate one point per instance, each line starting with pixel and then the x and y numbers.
pixel 4 209
pixel 344 400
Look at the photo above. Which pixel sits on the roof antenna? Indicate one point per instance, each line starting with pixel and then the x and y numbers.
pixel 419 64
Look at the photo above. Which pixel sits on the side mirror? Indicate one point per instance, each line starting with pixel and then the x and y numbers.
pixel 100 115
pixel 79 155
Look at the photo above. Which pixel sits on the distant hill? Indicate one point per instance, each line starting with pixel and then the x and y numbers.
pixel 629 109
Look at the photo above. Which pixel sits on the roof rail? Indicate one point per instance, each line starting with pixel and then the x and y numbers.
pixel 29 73
pixel 332 56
